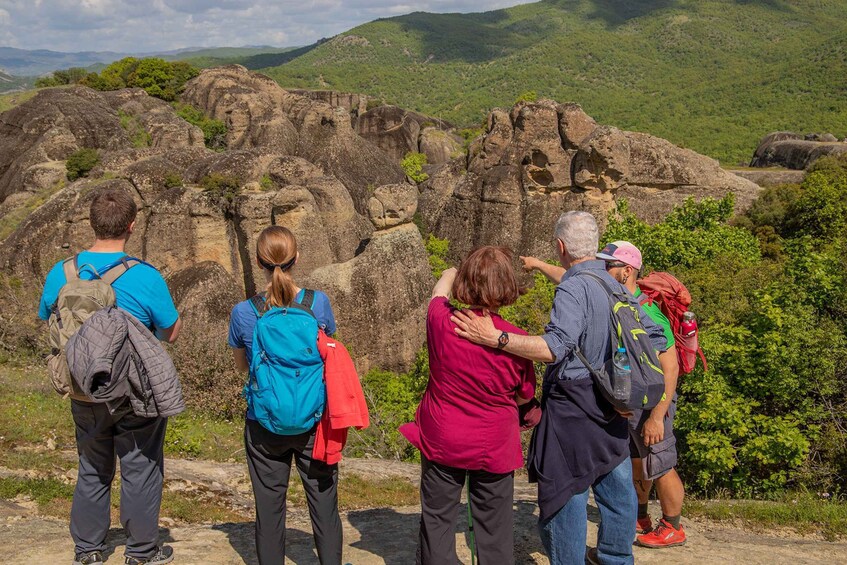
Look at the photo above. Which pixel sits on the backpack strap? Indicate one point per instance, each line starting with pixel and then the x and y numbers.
pixel 258 303
pixel 308 298
pixel 114 272
pixel 71 268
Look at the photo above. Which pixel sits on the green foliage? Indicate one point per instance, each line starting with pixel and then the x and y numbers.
pixel 636 65
pixel 412 165
pixel 177 439
pixel 73 75
pixel 392 400
pixel 137 133
pixel 528 96
pixel 437 250
pixel 80 162
pixel 157 77
pixel 221 187
pixel 266 182
pixel 173 180
pixel 214 131
pixel 693 233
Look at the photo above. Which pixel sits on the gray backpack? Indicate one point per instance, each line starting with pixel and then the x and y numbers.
pixel 77 301
pixel 647 379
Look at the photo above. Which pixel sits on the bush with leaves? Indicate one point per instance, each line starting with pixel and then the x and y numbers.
pixel 214 131
pixel 412 165
pixel 159 78
pixel 80 162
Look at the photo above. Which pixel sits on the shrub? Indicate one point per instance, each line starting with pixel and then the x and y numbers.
pixel 81 162
pixel 392 400
pixel 412 165
pixel 437 250
pixel 266 182
pixel 159 78
pixel 528 96
pixel 221 187
pixel 214 131
pixel 173 180
pixel 137 134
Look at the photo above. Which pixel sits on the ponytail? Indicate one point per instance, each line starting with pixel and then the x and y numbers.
pixel 276 250
pixel 281 290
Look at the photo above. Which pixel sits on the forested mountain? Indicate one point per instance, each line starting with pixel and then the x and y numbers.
pixel 710 75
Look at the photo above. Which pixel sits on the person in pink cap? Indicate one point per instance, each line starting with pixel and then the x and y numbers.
pixel 652 441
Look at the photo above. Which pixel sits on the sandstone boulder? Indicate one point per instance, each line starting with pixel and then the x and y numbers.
pixel 156 118
pixel 439 145
pixel 793 151
pixel 397 132
pixel 393 205
pixel 51 126
pixel 379 298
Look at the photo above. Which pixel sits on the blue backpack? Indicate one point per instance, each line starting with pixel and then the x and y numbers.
pixel 286 389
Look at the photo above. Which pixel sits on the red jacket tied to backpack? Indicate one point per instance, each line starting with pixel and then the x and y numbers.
pixel 345 401
pixel 673 299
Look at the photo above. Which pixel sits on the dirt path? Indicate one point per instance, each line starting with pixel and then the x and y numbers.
pixel 384 535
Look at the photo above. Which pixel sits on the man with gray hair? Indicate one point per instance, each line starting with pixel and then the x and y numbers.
pixel 581 441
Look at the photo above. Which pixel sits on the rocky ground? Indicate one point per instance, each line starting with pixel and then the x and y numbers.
pixel 383 535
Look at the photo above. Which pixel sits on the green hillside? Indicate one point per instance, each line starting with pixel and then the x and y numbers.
pixel 711 75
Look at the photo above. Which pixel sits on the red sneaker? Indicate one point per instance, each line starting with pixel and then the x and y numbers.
pixel 644 525
pixel 664 535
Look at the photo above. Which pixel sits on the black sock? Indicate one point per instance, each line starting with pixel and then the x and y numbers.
pixel 672 520
pixel 642 510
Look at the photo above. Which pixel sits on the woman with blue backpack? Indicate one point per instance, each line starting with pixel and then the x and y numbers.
pixel 274 338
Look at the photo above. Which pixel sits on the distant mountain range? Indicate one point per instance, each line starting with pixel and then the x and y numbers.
pixel 30 63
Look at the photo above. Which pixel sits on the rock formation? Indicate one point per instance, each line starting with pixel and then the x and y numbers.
pixel 259 113
pixel 397 132
pixel 299 162
pixel 795 151
pixel 544 158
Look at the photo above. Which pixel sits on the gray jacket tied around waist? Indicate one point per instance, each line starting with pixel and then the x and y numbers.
pixel 113 357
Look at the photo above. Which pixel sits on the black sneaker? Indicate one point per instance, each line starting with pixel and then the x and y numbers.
pixel 92 558
pixel 164 555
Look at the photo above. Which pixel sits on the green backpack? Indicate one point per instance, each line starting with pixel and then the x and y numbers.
pixel 77 301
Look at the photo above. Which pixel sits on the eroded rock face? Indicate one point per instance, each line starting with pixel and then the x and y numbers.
pixel 794 151
pixel 544 158
pixel 382 293
pixel 393 205
pixel 397 132
pixel 259 113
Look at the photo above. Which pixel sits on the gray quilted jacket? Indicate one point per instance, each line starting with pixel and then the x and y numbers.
pixel 114 356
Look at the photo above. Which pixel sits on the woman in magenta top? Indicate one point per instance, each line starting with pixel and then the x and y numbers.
pixel 467 424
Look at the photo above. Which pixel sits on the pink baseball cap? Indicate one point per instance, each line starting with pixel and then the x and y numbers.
pixel 622 251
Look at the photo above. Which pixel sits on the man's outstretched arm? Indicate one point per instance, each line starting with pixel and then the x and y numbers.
pixel 481 330
pixel 553 272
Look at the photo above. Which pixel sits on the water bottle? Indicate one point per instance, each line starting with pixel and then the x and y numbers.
pixel 687 344
pixel 689 324
pixel 622 375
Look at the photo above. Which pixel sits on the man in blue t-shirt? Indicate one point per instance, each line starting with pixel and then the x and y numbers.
pixel 100 435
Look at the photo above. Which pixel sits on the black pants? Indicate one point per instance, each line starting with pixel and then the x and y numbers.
pixel 138 442
pixel 269 460
pixel 491 508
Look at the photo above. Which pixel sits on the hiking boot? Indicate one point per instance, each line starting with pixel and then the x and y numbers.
pixel 90 558
pixel 644 525
pixel 164 555
pixel 591 557
pixel 664 535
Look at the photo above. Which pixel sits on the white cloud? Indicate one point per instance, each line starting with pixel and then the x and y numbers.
pixel 139 26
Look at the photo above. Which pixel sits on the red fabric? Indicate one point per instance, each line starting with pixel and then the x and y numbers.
pixel 468 417
pixel 345 401
pixel 673 299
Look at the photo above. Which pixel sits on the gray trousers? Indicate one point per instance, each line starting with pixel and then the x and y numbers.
pixel 491 509
pixel 138 443
pixel 269 461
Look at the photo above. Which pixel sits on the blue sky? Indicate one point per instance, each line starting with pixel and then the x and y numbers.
pixel 157 25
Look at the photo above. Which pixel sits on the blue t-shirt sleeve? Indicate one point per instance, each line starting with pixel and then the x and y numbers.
pixel 155 298
pixel 52 285
pixel 323 312
pixel 236 335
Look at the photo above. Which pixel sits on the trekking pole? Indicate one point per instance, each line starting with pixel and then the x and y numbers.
pixel 470 521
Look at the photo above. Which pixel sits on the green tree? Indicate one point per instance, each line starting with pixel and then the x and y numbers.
pixel 81 162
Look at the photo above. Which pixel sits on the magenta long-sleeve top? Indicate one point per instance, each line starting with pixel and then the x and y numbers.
pixel 468 417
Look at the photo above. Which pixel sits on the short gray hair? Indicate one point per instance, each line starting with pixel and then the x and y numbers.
pixel 580 234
